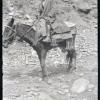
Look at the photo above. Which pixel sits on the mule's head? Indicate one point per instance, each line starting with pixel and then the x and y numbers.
pixel 9 33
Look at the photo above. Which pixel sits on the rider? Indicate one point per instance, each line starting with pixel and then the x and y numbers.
pixel 44 10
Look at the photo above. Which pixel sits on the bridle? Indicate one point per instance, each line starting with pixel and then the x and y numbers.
pixel 10 28
pixel 12 35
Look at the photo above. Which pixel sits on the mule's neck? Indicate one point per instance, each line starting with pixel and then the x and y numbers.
pixel 30 37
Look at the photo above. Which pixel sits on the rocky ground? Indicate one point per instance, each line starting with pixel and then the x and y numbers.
pixel 21 67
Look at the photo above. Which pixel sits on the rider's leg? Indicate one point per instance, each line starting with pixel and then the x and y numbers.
pixel 47 32
pixel 48 28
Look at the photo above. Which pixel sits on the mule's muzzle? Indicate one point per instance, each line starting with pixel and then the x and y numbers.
pixel 5 44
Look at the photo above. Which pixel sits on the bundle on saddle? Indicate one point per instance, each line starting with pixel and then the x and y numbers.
pixel 63 30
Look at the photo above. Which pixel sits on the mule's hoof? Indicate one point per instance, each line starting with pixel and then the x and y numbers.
pixel 68 70
pixel 45 79
pixel 71 69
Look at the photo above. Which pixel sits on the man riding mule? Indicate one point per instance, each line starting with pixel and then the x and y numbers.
pixel 48 22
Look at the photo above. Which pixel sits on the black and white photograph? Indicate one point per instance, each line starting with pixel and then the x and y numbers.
pixel 50 49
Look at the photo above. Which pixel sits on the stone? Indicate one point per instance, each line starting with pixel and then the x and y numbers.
pixel 73 95
pixel 61 92
pixel 66 0
pixel 81 74
pixel 90 62
pixel 80 85
pixel 93 13
pixel 95 91
pixel 5 98
pixel 90 86
pixel 11 14
pixel 56 63
pixel 33 52
pixel 49 81
pixel 26 97
pixel 85 99
pixel 44 96
pixel 27 16
pixel 35 93
pixel 69 94
pixel 89 90
pixel 69 24
pixel 66 90
pixel 65 86
pixel 83 7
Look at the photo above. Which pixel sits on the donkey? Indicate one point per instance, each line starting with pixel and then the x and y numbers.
pixel 67 46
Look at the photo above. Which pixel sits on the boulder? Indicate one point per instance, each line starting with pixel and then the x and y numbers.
pixel 80 85
pixel 83 7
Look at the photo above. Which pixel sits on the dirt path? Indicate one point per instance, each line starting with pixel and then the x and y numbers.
pixel 22 77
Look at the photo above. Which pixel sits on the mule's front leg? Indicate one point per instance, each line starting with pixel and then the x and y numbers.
pixel 42 57
pixel 44 69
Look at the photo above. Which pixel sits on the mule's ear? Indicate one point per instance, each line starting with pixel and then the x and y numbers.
pixel 11 22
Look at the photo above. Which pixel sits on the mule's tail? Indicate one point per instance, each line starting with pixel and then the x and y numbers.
pixel 71 53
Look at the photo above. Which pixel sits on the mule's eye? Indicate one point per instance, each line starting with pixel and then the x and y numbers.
pixel 7 30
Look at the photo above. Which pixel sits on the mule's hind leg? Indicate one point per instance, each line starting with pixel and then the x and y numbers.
pixel 71 55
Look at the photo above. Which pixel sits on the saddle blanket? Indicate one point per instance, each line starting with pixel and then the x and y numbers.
pixel 62 36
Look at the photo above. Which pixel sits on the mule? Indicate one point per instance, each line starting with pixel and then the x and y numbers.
pixel 67 45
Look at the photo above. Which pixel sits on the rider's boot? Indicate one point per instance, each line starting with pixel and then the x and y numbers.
pixel 48 36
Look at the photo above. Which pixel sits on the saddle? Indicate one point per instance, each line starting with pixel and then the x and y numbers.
pixel 61 31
